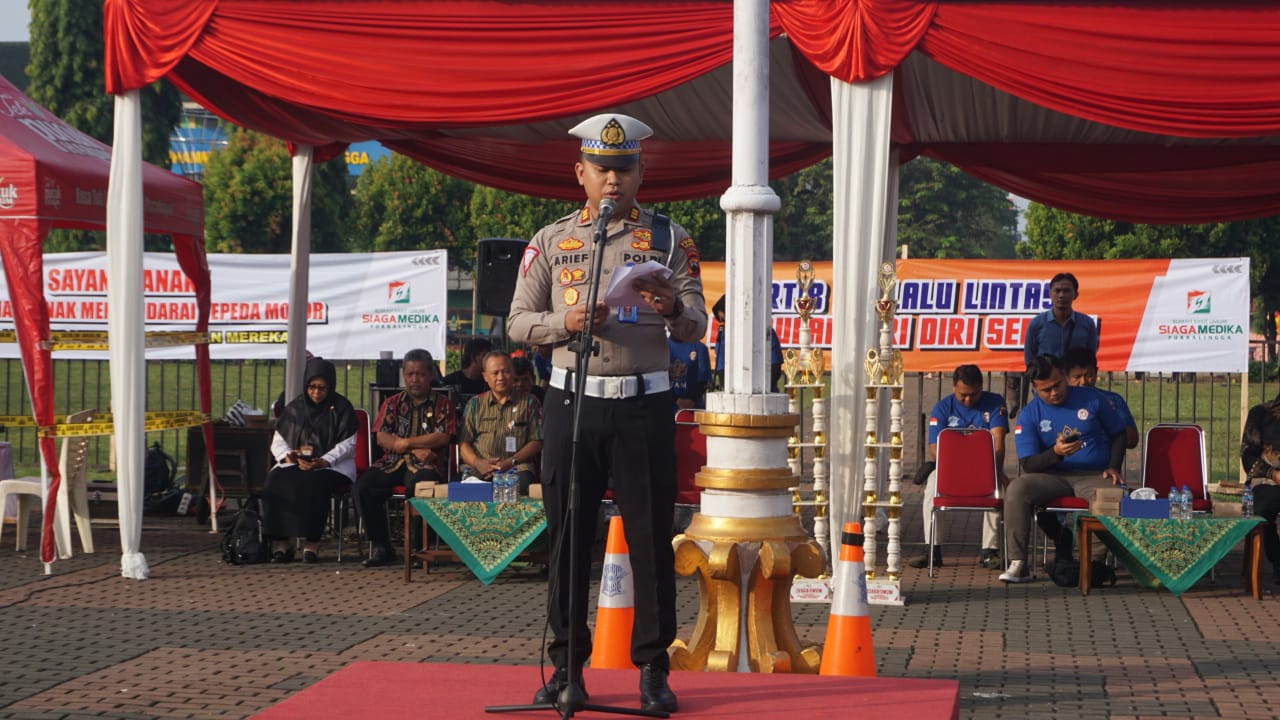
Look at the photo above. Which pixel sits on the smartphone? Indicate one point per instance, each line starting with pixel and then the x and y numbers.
pixel 1070 437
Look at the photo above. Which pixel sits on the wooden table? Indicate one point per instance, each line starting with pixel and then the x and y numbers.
pixel 1089 526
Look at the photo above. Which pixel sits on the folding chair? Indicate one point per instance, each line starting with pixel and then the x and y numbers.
pixel 967 478
pixel 1174 455
pixel 73 497
pixel 342 496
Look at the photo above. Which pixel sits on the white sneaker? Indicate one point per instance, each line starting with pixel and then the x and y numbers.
pixel 1018 572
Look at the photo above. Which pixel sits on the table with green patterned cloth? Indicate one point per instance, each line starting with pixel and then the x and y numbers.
pixel 1172 553
pixel 486 536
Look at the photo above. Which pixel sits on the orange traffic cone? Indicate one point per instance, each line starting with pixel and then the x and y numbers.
pixel 616 605
pixel 848 649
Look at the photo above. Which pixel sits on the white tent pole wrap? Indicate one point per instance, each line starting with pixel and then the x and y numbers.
pixel 860 118
pixel 299 271
pixel 126 326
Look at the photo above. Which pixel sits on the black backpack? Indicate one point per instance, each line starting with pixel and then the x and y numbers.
pixel 159 470
pixel 243 543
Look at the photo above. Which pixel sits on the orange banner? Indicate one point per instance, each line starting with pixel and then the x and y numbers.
pixel 1152 315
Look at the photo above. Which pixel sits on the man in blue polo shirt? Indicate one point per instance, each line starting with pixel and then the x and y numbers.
pixel 968 406
pixel 1081 366
pixel 1070 441
pixel 1060 328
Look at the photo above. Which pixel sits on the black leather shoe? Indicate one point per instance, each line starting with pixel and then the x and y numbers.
pixel 380 555
pixel 990 559
pixel 282 556
pixel 655 693
pixel 922 561
pixel 550 692
pixel 310 557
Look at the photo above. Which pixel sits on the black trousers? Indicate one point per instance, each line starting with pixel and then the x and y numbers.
pixel 1266 504
pixel 628 445
pixel 372 491
pixel 295 502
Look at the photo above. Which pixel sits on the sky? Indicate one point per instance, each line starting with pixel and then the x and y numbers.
pixel 14 19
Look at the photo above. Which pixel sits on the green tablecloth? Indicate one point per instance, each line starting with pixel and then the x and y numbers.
pixel 486 536
pixel 1172 553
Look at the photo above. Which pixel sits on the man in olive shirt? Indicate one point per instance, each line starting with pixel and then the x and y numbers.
pixel 501 429
pixel 627 436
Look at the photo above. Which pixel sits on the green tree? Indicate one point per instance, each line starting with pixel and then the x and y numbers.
pixel 802 229
pixel 945 213
pixel 703 219
pixel 404 205
pixel 1054 234
pixel 66 72
pixel 248 198
pixel 501 214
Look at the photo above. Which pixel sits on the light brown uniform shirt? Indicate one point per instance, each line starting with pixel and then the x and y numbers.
pixel 554 275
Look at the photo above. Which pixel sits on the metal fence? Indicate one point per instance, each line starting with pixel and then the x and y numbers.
pixel 171 385
pixel 1211 400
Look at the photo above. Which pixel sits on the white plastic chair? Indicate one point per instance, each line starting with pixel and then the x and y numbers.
pixel 73 494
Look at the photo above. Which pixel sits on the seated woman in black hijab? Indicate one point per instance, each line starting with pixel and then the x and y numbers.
pixel 314 446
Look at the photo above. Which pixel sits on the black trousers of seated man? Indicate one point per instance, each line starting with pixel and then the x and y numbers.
pixel 628 445
pixel 373 489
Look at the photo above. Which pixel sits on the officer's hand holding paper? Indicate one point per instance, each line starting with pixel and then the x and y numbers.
pixel 621 289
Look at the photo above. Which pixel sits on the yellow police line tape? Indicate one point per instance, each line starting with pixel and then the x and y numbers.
pixel 97 339
pixel 102 423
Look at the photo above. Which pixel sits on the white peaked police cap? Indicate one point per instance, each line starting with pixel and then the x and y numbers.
pixel 611 139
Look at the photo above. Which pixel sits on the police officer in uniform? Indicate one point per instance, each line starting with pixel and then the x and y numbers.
pixel 627 427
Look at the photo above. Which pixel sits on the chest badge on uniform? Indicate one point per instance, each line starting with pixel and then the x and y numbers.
pixel 1083 413
pixel 571 296
pixel 1046 426
pixel 693 356
pixel 572 276
pixel 570 244
pixel 643 239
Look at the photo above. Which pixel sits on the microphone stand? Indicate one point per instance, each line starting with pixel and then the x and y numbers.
pixel 571 698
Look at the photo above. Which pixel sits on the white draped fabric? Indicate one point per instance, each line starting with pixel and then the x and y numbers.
pixel 861 114
pixel 127 326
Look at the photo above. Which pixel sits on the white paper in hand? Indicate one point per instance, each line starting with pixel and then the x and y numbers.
pixel 620 292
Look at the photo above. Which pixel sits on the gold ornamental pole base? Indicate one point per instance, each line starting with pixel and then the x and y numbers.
pixel 745 568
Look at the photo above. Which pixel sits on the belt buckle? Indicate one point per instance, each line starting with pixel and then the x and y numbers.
pixel 614 388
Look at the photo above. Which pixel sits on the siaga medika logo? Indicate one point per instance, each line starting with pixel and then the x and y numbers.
pixel 398 292
pixel 1198 302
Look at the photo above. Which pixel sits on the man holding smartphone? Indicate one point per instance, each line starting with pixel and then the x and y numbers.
pixel 1070 441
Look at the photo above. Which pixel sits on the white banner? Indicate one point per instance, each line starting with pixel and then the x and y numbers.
pixel 359 303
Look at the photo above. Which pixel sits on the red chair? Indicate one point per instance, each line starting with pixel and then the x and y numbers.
pixel 342 496
pixel 967 477
pixel 691 456
pixel 1174 455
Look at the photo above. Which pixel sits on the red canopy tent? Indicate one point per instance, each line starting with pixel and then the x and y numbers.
pixel 1149 111
pixel 1162 111
pixel 54 176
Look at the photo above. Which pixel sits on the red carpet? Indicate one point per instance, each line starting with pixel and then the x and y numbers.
pixel 448 692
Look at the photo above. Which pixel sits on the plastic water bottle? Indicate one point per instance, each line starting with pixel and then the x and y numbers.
pixel 1186 502
pixel 1175 503
pixel 1246 500
pixel 505 486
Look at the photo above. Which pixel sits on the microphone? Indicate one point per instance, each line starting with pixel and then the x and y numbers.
pixel 603 212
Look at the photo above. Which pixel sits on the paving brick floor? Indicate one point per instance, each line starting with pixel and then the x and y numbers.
pixel 203 640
